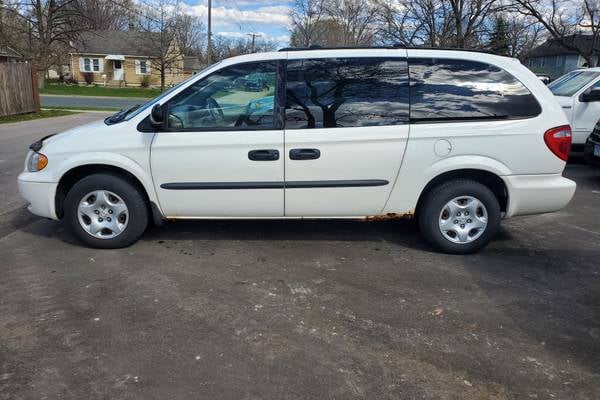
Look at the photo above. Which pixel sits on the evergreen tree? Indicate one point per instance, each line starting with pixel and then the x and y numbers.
pixel 499 41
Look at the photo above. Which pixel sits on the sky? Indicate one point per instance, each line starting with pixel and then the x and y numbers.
pixel 237 18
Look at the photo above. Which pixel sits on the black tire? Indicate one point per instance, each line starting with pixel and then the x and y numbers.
pixel 137 210
pixel 436 199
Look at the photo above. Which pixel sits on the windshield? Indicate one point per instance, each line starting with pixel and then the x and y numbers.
pixel 132 112
pixel 572 82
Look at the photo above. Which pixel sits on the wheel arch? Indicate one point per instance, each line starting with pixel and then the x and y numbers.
pixel 76 173
pixel 489 179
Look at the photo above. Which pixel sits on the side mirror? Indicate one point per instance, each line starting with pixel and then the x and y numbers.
pixel 157 116
pixel 592 95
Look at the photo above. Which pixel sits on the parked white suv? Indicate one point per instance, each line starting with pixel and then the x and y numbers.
pixel 578 93
pixel 460 139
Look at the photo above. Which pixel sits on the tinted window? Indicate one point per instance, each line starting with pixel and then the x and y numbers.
pixel 237 97
pixel 456 89
pixel 327 93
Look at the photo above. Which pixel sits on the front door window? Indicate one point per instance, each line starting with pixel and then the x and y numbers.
pixel 234 98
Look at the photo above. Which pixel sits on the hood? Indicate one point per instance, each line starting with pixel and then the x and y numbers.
pixel 89 128
pixel 94 137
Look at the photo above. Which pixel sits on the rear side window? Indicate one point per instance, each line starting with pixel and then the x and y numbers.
pixel 445 90
pixel 346 92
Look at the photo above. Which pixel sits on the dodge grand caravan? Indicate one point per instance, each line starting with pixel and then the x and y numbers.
pixel 458 139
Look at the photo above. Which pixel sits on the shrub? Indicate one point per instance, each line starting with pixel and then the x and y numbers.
pixel 146 81
pixel 69 80
pixel 88 77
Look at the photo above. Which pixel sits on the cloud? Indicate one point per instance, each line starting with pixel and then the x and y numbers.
pixel 244 19
pixel 282 40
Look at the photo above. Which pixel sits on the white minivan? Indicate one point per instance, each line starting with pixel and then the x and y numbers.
pixel 459 139
pixel 578 93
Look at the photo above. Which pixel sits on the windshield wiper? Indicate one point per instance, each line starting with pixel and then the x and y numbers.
pixel 120 115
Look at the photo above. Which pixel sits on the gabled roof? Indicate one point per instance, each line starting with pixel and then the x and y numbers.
pixel 131 43
pixel 552 47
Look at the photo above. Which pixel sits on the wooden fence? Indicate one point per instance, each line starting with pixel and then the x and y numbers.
pixel 18 89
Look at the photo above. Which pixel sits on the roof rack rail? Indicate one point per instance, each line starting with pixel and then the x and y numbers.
pixel 393 46
pixel 319 47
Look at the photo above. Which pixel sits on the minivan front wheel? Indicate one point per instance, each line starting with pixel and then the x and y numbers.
pixel 459 216
pixel 106 211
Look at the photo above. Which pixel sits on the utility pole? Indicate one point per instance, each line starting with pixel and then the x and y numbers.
pixel 209 47
pixel 253 36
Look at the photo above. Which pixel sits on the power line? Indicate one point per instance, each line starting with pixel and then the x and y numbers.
pixel 237 12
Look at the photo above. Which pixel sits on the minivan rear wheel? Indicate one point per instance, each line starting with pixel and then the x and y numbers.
pixel 459 216
pixel 106 211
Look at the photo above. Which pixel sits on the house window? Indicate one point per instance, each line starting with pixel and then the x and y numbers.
pixel 91 65
pixel 143 67
pixel 558 61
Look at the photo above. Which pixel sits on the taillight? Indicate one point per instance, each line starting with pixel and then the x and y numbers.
pixel 558 141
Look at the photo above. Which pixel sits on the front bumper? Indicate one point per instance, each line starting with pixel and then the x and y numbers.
pixel 40 195
pixel 536 194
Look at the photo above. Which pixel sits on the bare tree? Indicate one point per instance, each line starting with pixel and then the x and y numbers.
pixel 159 18
pixel 306 26
pixel 190 34
pixel 333 22
pixel 397 24
pixel 356 18
pixel 224 47
pixel 103 15
pixel 523 35
pixel 40 29
pixel 562 19
pixel 436 23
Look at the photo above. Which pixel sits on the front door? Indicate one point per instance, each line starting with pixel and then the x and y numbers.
pixel 585 116
pixel 117 70
pixel 346 129
pixel 222 153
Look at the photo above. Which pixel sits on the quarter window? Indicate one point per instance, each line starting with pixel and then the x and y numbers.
pixel 234 98
pixel 349 92
pixel 443 89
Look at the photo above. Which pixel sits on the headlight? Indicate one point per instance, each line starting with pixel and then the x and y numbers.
pixel 36 162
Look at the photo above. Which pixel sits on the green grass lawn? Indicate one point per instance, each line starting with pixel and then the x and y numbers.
pixel 74 90
pixel 31 116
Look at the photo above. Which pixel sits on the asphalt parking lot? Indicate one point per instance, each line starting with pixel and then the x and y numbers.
pixel 297 309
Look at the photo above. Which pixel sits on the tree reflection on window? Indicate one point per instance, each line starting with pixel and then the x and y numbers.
pixel 326 93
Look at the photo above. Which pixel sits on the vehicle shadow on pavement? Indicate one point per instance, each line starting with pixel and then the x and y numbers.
pixel 16 220
pixel 403 232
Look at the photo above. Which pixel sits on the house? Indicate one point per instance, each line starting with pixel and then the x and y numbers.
pixel 553 59
pixel 8 54
pixel 192 65
pixel 123 58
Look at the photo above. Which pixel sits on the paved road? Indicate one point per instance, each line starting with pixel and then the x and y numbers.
pixel 15 139
pixel 84 101
pixel 299 309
